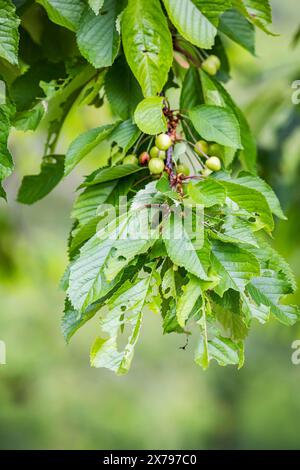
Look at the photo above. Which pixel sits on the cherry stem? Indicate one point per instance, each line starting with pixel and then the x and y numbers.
pixel 169 161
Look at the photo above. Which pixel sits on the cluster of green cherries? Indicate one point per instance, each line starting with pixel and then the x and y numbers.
pixel 155 159
pixel 211 64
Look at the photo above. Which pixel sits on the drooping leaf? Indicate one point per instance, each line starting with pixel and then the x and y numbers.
pixel 6 162
pixel 196 20
pixel 113 173
pixel 149 116
pixel 191 92
pixel 249 199
pixel 103 257
pixel 73 320
pixel 97 36
pixel 267 290
pixel 223 350
pixel 85 143
pixel 217 124
pixel 191 293
pixel 66 13
pixel 270 259
pixel 125 308
pixel 9 34
pixel 256 11
pixel 207 192
pixel 30 119
pixel 122 89
pixel 35 187
pixel 191 96
pixel 180 247
pixel 124 135
pixel 238 28
pixel 229 314
pixel 234 266
pixel 86 205
pixel 147 44
pixel 215 94
pixel 87 281
pixel 254 182
pixel 237 230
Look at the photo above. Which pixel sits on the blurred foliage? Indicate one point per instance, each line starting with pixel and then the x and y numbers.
pixel 49 395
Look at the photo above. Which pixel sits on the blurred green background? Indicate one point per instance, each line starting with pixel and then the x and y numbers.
pixel 50 397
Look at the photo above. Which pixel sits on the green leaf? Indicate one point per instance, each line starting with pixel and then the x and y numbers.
pixel 254 182
pixel 113 173
pixel 237 230
pixel 125 134
pixel 29 120
pixel 168 284
pixel 180 247
pixel 221 349
pixel 191 92
pixel 256 11
pixel 207 192
pixel 228 313
pixel 149 116
pixel 191 96
pixel 35 187
pixel 259 10
pixel 86 205
pixel 96 5
pixel 270 259
pixel 196 20
pixel 122 89
pixel 105 255
pixel 147 44
pixel 249 199
pixel 217 124
pixel 85 143
pixel 97 37
pixel 9 35
pixel 187 300
pixel 73 320
pixel 66 13
pixel 235 267
pixel 267 290
pixel 124 308
pixel 87 281
pixel 239 29
pixel 215 93
pixel 6 162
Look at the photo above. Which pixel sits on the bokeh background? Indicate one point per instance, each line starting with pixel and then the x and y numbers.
pixel 50 397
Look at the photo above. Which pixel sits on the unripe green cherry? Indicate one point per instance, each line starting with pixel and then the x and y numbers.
pixel 201 147
pixel 181 168
pixel 130 159
pixel 211 65
pixel 156 166
pixel 144 158
pixel 215 149
pixel 156 153
pixel 161 154
pixel 163 141
pixel 213 163
pixel 175 267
